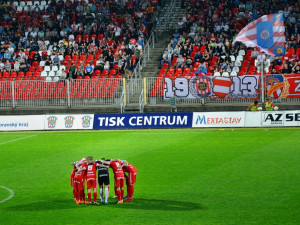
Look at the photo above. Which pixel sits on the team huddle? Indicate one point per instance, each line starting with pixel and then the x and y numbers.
pixel 86 170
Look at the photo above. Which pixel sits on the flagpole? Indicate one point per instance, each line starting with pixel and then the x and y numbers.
pixel 262 81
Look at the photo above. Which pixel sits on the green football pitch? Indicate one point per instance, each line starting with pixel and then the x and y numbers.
pixel 195 176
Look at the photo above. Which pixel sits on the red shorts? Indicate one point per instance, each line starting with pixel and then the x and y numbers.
pixel 78 182
pixel 131 178
pixel 91 183
pixel 119 182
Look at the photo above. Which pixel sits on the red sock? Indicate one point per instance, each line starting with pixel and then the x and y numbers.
pixel 131 191
pixel 118 192
pixel 128 190
pixel 95 196
pixel 77 197
pixel 90 197
pixel 74 192
pixel 122 194
pixel 82 195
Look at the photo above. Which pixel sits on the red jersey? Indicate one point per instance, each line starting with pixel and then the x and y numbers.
pixel 91 171
pixel 117 168
pixel 129 169
pixel 72 176
pixel 80 174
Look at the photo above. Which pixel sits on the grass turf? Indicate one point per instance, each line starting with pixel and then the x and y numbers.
pixel 240 176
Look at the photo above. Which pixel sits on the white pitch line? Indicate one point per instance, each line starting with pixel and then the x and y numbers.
pixel 17 139
pixel 12 193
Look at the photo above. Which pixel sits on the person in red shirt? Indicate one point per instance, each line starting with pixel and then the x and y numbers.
pixel 91 179
pixel 72 182
pixel 79 183
pixel 130 180
pixel 119 177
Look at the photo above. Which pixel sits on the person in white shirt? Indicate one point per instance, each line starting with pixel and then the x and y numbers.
pixel 261 57
pixel 71 36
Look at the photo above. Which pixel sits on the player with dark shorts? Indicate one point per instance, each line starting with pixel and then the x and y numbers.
pixel 103 178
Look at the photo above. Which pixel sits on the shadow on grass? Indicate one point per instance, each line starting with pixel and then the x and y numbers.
pixel 155 204
pixel 138 203
pixel 46 205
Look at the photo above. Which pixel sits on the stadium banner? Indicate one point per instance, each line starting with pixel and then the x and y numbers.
pixel 219 119
pixel 15 123
pixel 69 122
pixel 213 87
pixel 280 118
pixel 283 86
pixel 145 120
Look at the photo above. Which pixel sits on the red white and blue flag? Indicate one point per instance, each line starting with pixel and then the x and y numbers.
pixel 267 33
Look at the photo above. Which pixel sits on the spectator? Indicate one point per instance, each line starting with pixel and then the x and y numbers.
pixel 17 66
pixel 7 66
pixel 89 70
pixel 56 60
pixel 180 62
pixel 286 69
pixel 73 71
pixel 166 58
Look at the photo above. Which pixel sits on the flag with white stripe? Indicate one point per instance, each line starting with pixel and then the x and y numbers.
pixel 267 33
pixel 222 86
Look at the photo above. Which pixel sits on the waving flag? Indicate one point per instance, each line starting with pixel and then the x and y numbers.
pixel 267 33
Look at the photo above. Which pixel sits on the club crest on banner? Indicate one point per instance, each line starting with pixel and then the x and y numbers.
pixel 200 87
pixel 221 86
pixel 69 121
pixel 51 121
pixel 86 121
pixel 276 86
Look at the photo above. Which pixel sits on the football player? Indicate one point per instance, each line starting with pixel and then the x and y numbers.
pixel 103 178
pixel 130 180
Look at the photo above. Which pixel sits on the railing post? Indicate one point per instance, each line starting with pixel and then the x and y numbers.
pixel 124 89
pixel 145 91
pixel 148 48
pixel 153 38
pixel 68 94
pixel 139 69
pixel 13 94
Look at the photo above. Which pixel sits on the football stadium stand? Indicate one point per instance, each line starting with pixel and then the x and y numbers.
pixel 94 52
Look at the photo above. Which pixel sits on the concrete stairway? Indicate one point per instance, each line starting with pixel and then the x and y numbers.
pixel 171 14
pixel 152 67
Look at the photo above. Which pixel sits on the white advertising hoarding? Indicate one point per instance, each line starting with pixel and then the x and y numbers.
pixel 253 119
pixel 15 123
pixel 69 122
pixel 219 119
pixel 280 118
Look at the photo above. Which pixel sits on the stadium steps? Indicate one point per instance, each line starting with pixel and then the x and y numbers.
pixel 132 108
pixel 152 67
pixel 172 14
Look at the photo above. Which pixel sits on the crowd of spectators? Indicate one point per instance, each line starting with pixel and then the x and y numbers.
pixel 202 39
pixel 80 37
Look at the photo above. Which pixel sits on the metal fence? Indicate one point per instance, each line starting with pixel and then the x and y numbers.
pixel 77 93
pixel 121 92
pixel 279 84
